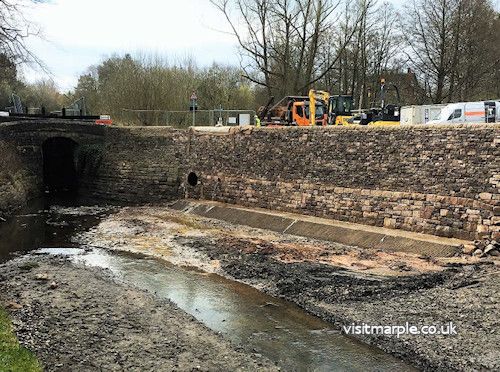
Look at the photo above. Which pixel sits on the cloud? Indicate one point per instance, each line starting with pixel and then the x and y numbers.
pixel 80 33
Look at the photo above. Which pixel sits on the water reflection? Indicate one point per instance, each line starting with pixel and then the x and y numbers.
pixel 23 232
pixel 42 225
pixel 272 327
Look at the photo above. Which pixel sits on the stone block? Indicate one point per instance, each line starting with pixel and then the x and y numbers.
pixel 482 228
pixel 444 212
pixel 485 196
pixel 390 222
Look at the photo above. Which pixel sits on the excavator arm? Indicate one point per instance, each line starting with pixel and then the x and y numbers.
pixel 316 95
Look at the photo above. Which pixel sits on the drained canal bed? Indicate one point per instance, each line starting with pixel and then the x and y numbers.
pixel 261 324
pixel 274 328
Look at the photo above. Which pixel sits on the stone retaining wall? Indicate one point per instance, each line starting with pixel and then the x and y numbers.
pixel 437 180
pixel 17 183
pixel 441 180
pixel 138 165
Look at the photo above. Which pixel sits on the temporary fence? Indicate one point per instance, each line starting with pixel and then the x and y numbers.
pixel 186 119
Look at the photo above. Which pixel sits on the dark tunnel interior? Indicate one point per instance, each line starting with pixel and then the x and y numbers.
pixel 59 165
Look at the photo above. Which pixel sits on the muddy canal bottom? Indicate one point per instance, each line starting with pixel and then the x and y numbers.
pixel 274 328
pixel 262 324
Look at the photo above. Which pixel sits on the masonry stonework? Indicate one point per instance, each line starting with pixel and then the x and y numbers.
pixel 441 180
pixel 139 165
pixel 436 180
pixel 17 183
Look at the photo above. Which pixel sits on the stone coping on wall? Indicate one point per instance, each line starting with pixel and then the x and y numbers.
pixel 249 129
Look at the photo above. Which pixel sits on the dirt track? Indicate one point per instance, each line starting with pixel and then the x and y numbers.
pixel 339 283
pixel 104 325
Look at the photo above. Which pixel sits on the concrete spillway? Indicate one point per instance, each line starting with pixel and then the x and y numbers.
pixel 319 228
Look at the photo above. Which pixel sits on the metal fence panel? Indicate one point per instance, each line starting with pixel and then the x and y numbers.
pixel 185 119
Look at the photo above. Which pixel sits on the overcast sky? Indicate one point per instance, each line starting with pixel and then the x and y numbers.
pixel 81 33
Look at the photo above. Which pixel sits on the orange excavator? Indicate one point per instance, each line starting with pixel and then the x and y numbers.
pixel 295 111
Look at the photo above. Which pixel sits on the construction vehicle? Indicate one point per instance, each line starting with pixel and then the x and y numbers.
pixel 318 98
pixel 383 114
pixel 340 110
pixel 388 114
pixel 264 110
pixel 318 108
pixel 338 107
pixel 294 110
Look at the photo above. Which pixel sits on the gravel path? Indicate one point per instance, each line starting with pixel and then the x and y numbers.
pixel 80 319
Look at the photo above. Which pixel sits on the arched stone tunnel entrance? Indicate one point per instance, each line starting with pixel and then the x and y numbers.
pixel 60 165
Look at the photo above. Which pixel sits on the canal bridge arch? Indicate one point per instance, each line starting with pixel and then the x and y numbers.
pixel 53 151
pixel 60 164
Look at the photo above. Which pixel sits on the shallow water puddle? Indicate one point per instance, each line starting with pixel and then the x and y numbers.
pixel 274 328
pixel 49 222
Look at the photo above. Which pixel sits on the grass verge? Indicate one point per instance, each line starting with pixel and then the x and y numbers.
pixel 14 357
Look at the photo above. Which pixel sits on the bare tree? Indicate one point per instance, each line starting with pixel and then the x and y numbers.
pixel 14 32
pixel 362 49
pixel 285 44
pixel 427 31
pixel 476 34
pixel 384 41
pixel 371 52
pixel 452 46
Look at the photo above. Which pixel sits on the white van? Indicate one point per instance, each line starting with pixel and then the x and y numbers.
pixel 469 112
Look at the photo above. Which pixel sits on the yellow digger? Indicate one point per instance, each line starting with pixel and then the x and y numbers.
pixel 315 96
pixel 338 107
